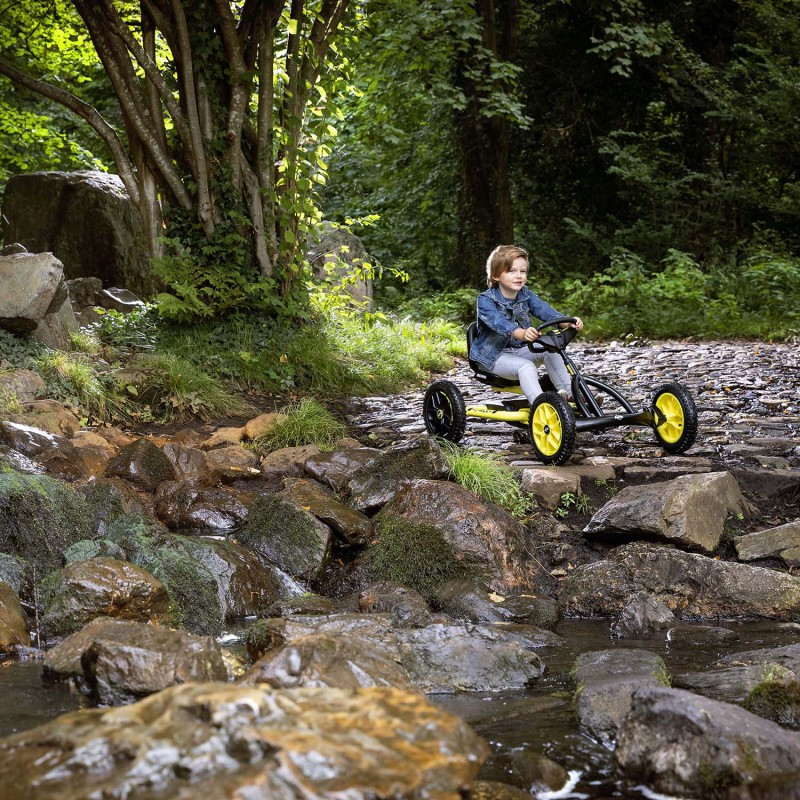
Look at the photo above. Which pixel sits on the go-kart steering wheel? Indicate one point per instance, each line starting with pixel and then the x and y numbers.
pixel 551 342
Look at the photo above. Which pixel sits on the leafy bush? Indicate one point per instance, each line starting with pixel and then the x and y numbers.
pixel 307 422
pixel 17 352
pixel 136 331
pixel 488 477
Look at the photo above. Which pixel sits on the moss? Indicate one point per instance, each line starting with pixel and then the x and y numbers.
pixel 415 555
pixel 39 518
pixel 12 571
pixel 194 599
pixel 777 701
pixel 260 638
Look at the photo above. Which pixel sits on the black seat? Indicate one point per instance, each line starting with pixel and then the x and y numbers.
pixel 480 373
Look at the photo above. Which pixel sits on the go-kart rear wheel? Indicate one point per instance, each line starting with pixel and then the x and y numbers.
pixel 444 411
pixel 675 417
pixel 551 428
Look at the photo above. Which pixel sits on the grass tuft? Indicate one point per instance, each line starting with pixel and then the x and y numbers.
pixel 306 422
pixel 74 379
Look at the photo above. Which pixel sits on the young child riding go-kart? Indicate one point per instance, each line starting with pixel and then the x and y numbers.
pixel 550 420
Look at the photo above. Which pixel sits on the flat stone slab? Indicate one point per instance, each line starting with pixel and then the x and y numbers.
pixel 769 542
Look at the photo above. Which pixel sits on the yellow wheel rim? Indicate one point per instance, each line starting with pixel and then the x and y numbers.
pixel 671 429
pixel 547 429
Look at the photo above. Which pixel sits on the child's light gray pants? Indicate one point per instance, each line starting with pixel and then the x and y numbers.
pixel 520 363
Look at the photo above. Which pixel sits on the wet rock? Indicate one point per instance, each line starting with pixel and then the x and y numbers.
pixel 184 506
pixel 677 742
pixel 12 571
pixel 777 699
pixel 335 468
pixel 213 740
pixel 101 586
pixel 49 416
pixel 641 617
pixel 287 536
pixel 29 441
pixel 288 461
pixel 605 681
pixel 30 283
pixel 689 511
pixel 548 484
pixel 682 635
pixel 111 498
pixel 304 604
pixel 497 790
pixel 471 658
pixel 769 542
pixel 692 585
pixel 143 464
pixel 526 770
pixel 190 463
pixel 772 787
pixel 321 660
pixel 65 462
pixel 406 606
pixel 232 463
pixel 481 536
pixel 94 451
pixel 24 384
pixel 381 480
pixel 13 626
pixel 115 299
pixel 223 437
pixel 731 685
pixel 352 526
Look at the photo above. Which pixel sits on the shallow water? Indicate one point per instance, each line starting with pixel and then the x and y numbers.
pixel 539 719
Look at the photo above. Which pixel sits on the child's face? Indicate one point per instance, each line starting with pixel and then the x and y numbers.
pixel 513 280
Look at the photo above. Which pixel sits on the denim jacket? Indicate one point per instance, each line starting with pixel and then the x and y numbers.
pixel 499 317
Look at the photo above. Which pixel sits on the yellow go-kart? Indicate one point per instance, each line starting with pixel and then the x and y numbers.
pixel 552 422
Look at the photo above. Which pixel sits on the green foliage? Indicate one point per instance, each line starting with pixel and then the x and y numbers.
pixel 136 331
pixel 84 341
pixel 9 403
pixel 306 422
pixel 488 477
pixel 18 352
pixel 414 555
pixel 567 501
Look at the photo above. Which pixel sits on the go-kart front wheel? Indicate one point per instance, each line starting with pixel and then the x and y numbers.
pixel 551 428
pixel 444 411
pixel 675 417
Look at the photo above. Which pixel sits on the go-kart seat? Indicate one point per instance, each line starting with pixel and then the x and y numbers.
pixel 481 374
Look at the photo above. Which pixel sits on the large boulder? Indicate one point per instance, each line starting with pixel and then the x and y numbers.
pixel 142 463
pixel 24 384
pixel 102 586
pixel 691 585
pixel 56 327
pixel 212 740
pixel 13 626
pixel 679 743
pixel 689 511
pixel 338 257
pixel 33 286
pixel 86 219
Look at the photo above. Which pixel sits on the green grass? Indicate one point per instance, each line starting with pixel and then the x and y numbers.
pixel 306 422
pixel 9 403
pixel 488 477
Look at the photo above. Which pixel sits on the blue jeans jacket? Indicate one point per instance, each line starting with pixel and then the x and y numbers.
pixel 499 317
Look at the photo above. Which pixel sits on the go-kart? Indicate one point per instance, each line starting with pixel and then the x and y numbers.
pixel 551 421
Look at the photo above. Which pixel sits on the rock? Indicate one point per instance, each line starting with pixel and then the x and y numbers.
pixel 352 526
pixel 641 617
pixel 116 661
pixel 111 498
pixel 222 437
pixel 49 416
pixel 605 681
pixel 288 461
pixel 143 464
pixel 12 249
pixel 548 484
pixel 406 606
pixel 689 511
pixel 320 660
pixel 306 603
pixel 30 284
pixel 694 635
pixel 731 685
pixel 335 468
pixel 86 219
pixel 778 700
pixel 467 658
pixel 22 383
pixel 54 328
pixel 231 463
pixel 82 291
pixel 13 626
pixel 381 480
pixel 115 299
pixel 30 441
pixel 532 772
pixel 497 790
pixel 218 741
pixel 183 506
pixel 12 571
pixel 336 254
pixel 676 742
pixel 287 536
pixel 98 587
pixel 692 585
pixel 114 436
pixel 448 532
pixel 262 424
pixel 190 463
pixel 772 787
pixel 769 542
pixel 94 450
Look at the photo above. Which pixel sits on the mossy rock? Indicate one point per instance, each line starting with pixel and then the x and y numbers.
pixel 415 555
pixel 776 700
pixel 195 602
pixel 40 517
pixel 260 638
pixel 12 571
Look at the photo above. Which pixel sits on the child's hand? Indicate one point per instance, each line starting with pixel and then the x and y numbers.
pixel 578 324
pixel 526 334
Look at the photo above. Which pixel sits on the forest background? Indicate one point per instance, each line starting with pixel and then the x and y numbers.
pixel 645 153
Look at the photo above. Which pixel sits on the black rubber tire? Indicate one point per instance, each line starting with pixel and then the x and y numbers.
pixel 685 427
pixel 444 412
pixel 551 446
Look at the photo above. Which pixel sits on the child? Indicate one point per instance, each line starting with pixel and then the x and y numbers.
pixel 504 326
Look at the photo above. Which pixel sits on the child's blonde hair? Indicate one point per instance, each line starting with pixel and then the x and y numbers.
pixel 500 261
